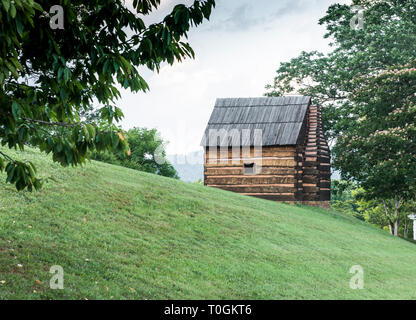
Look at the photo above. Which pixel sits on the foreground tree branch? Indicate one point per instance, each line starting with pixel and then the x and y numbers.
pixel 70 68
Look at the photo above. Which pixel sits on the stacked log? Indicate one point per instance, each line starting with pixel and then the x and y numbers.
pixel 275 178
pixel 316 164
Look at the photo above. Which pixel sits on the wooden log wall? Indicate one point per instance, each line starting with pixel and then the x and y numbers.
pixel 276 177
pixel 316 165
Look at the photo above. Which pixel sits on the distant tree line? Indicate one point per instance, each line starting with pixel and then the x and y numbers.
pixel 146 149
pixel 147 153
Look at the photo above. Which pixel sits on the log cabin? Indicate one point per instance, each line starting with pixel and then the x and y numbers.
pixel 269 147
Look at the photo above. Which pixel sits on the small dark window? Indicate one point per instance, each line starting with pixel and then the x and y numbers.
pixel 249 168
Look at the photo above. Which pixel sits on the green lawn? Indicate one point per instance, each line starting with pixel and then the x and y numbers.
pixel 123 234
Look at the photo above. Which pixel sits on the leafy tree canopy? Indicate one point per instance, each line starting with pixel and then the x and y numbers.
pixel 386 39
pixel 379 150
pixel 49 76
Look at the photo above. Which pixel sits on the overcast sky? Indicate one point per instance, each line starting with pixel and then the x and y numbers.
pixel 237 53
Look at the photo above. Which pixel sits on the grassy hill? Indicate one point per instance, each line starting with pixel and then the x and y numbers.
pixel 123 234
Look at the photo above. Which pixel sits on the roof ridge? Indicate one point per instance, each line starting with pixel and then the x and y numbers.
pixel 227 123
pixel 264 106
pixel 268 97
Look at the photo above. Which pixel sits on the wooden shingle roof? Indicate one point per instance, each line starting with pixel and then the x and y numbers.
pixel 279 119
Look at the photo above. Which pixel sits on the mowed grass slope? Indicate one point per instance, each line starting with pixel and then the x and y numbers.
pixel 123 234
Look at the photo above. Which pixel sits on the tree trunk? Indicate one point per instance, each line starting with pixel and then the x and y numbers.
pixel 397 204
pixel 396 228
pixel 386 212
pixel 392 215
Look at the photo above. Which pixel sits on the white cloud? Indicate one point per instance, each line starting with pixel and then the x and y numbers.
pixel 231 62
